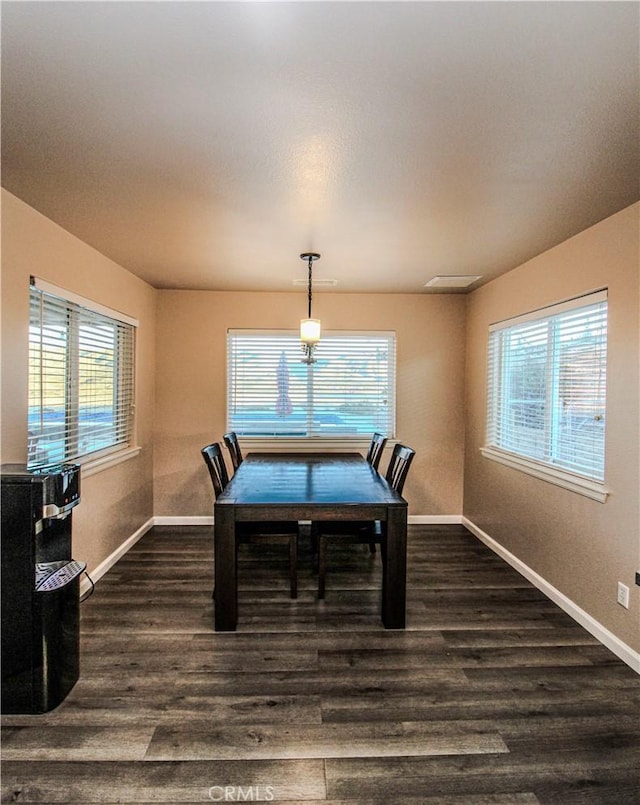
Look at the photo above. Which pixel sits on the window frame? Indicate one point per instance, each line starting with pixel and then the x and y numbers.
pixel 310 442
pixel 78 307
pixel 547 470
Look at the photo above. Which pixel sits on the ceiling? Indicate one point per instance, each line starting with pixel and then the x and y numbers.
pixel 204 145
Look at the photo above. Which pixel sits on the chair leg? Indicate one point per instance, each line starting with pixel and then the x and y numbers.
pixel 372 547
pixel 313 539
pixel 322 565
pixel 293 566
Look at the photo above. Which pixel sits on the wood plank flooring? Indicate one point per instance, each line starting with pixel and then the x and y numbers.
pixel 491 695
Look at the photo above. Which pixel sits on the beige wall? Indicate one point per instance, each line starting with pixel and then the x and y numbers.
pixel 116 501
pixel 581 547
pixel 191 376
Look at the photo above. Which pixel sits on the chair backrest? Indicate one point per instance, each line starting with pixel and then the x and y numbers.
pixel 213 458
pixel 376 447
pixel 231 441
pixel 398 468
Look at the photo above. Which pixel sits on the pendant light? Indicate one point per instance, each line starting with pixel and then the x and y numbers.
pixel 309 328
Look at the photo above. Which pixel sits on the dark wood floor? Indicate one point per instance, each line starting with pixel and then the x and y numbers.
pixel 491 695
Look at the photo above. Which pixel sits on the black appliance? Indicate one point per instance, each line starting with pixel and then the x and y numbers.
pixel 40 587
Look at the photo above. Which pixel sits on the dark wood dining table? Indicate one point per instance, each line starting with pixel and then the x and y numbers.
pixel 308 486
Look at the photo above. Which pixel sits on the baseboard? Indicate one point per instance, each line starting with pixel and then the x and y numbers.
pixel 435 519
pixel 594 627
pixel 99 571
pixel 414 519
pixel 184 520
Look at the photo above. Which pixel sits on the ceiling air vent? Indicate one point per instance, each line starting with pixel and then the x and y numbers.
pixel 453 281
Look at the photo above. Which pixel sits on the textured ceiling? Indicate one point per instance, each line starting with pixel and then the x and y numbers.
pixel 206 144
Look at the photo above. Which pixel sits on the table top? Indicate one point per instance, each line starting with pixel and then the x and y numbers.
pixel 317 479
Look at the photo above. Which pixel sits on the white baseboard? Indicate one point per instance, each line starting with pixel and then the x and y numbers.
pixel 435 519
pixel 186 520
pixel 414 519
pixel 99 571
pixel 594 627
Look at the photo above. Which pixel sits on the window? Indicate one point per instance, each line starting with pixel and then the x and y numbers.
pixel 547 386
pixel 81 379
pixel 348 392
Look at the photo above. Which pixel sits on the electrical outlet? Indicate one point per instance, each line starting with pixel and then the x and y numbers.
pixel 623 595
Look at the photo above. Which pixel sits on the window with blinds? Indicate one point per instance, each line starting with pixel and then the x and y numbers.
pixel 81 378
pixel 348 392
pixel 547 385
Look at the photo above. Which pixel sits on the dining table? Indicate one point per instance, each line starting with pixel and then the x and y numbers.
pixel 308 486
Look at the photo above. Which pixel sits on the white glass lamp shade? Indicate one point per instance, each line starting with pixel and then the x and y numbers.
pixel 310 331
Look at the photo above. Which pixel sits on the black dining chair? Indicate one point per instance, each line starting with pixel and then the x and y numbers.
pixel 376 447
pixel 213 458
pixel 369 531
pixel 276 533
pixel 374 454
pixel 231 441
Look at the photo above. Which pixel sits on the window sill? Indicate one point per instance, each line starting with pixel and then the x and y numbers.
pixel 575 483
pixel 96 465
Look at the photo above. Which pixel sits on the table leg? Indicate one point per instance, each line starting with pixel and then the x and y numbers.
pixel 394 571
pixel 225 570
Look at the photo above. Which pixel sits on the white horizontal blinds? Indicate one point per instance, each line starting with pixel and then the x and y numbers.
pixel 105 382
pixel 267 385
pixel 352 385
pixel 547 385
pixel 518 421
pixel 349 391
pixel 80 380
pixel 48 361
pixel 579 393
